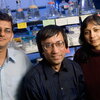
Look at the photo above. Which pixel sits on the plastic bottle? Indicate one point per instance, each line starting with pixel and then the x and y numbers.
pixel 9 11
pixel 33 11
pixel 73 8
pixel 87 7
pixel 63 8
pixel 20 16
pixel 51 10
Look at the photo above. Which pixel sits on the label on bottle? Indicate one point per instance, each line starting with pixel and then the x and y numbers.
pixel 66 6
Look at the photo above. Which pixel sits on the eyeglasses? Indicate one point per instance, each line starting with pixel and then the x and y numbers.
pixel 49 46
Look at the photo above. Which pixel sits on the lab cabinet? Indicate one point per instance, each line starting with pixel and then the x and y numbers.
pixel 25 34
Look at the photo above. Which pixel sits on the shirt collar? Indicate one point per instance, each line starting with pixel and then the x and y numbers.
pixel 47 68
pixel 64 65
pixel 49 72
pixel 11 55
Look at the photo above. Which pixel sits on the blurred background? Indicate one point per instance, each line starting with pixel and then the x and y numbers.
pixel 40 3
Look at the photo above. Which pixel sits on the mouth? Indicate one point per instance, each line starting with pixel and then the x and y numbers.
pixel 93 41
pixel 1 39
pixel 56 57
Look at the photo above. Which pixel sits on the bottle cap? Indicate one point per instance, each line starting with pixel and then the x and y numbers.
pixel 51 2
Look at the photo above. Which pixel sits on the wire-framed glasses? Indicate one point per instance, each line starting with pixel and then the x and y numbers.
pixel 50 46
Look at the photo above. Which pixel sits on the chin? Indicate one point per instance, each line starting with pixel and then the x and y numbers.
pixel 95 45
pixel 56 62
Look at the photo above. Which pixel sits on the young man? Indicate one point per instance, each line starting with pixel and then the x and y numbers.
pixel 55 77
pixel 13 63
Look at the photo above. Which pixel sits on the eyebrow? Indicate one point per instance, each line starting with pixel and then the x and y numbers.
pixel 96 27
pixel 54 42
pixel 9 28
pixel 95 24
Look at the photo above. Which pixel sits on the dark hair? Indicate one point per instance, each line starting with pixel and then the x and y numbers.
pixel 85 46
pixel 47 32
pixel 95 18
pixel 6 17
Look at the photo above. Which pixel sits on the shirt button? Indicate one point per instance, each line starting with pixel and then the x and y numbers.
pixel 61 88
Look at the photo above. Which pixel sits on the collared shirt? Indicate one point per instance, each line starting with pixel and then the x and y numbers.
pixel 11 73
pixel 43 83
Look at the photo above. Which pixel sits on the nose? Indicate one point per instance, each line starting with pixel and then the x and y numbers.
pixel 92 34
pixel 55 49
pixel 2 33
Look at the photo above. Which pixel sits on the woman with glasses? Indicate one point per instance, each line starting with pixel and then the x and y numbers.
pixel 55 77
pixel 88 56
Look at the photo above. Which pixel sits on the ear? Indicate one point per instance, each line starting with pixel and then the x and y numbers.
pixel 67 50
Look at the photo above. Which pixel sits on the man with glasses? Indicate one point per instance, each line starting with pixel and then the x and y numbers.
pixel 55 77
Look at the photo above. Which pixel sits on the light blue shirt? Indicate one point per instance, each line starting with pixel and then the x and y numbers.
pixel 11 73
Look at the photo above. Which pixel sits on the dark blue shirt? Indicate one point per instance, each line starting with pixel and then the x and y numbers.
pixel 43 83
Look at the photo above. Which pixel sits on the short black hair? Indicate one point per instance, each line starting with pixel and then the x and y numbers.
pixel 47 32
pixel 6 17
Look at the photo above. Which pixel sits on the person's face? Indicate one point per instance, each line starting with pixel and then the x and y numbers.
pixel 54 49
pixel 92 35
pixel 6 33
